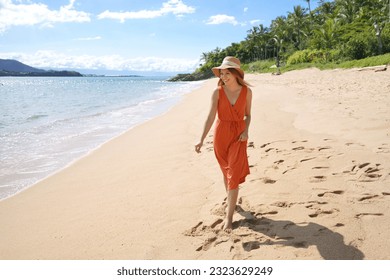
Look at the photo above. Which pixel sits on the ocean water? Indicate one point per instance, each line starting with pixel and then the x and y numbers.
pixel 46 123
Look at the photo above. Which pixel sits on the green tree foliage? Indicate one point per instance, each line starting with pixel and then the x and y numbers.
pixel 335 31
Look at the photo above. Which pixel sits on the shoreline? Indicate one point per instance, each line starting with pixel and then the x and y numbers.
pixel 86 154
pixel 313 193
pixel 80 146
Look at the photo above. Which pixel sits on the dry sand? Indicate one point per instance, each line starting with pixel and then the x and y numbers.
pixel 319 186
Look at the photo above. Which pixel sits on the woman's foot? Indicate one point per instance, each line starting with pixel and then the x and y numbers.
pixel 228 226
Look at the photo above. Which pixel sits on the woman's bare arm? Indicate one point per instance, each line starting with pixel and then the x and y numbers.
pixel 245 135
pixel 209 121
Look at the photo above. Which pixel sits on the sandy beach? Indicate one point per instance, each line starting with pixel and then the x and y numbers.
pixel 319 188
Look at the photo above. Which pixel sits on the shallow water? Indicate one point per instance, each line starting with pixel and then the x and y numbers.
pixel 47 122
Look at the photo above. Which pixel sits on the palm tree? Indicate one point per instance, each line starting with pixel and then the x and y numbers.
pixel 348 10
pixel 212 58
pixel 326 10
pixel 278 43
pixel 257 37
pixel 283 32
pixel 298 21
pixel 279 26
pixel 326 35
pixel 310 13
pixel 378 15
pixel 308 3
pixel 252 39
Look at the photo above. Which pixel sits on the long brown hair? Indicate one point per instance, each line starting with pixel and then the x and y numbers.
pixel 239 78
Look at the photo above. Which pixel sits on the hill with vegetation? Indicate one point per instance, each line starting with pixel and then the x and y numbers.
pixel 337 33
pixel 11 67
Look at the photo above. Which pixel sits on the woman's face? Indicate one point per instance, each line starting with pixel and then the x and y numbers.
pixel 226 76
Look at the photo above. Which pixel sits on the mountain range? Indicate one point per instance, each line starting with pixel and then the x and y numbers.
pixel 11 67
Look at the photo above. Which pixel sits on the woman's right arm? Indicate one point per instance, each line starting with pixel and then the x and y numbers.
pixel 210 120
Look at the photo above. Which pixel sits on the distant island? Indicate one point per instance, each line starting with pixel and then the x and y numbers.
pixel 49 73
pixel 189 77
pixel 14 68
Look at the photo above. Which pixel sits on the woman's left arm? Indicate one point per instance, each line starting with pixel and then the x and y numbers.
pixel 244 136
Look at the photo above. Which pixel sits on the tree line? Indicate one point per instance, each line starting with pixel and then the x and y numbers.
pixel 335 31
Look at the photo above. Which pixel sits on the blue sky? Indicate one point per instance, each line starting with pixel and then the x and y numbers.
pixel 128 35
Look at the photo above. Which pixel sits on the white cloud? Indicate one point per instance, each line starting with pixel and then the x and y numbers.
pixel 256 21
pixel 37 14
pixel 245 9
pixel 220 19
pixel 176 7
pixel 52 59
pixel 89 38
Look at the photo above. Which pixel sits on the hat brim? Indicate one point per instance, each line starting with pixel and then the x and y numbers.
pixel 216 70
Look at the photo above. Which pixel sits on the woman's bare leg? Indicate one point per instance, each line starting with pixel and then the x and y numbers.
pixel 225 182
pixel 232 196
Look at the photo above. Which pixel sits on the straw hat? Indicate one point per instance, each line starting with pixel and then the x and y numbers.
pixel 228 62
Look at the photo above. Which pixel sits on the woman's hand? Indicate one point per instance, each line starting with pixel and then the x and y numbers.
pixel 243 136
pixel 198 146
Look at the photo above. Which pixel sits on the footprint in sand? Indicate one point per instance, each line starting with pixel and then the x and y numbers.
pixel 213 236
pixel 321 212
pixel 320 167
pixel 370 174
pixel 265 180
pixel 324 148
pixel 314 205
pixel 194 231
pixel 269 149
pixel 267 213
pixel 370 177
pixel 360 215
pixel 363 165
pixel 207 244
pixel 302 141
pixel 354 144
pixel 368 197
pixel 288 170
pixel 307 159
pixel 282 204
pixel 364 172
pixel 217 222
pixel 330 192
pixel 384 148
pixel 255 231
pixel 329 140
pixel 317 179
pixel 209 146
pixel 265 145
pixel 311 204
pixel 243 239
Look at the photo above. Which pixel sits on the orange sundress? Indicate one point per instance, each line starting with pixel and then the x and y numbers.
pixel 231 153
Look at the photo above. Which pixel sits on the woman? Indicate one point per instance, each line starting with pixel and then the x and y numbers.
pixel 232 101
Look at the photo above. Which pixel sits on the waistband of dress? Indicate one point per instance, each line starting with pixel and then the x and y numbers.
pixel 231 121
